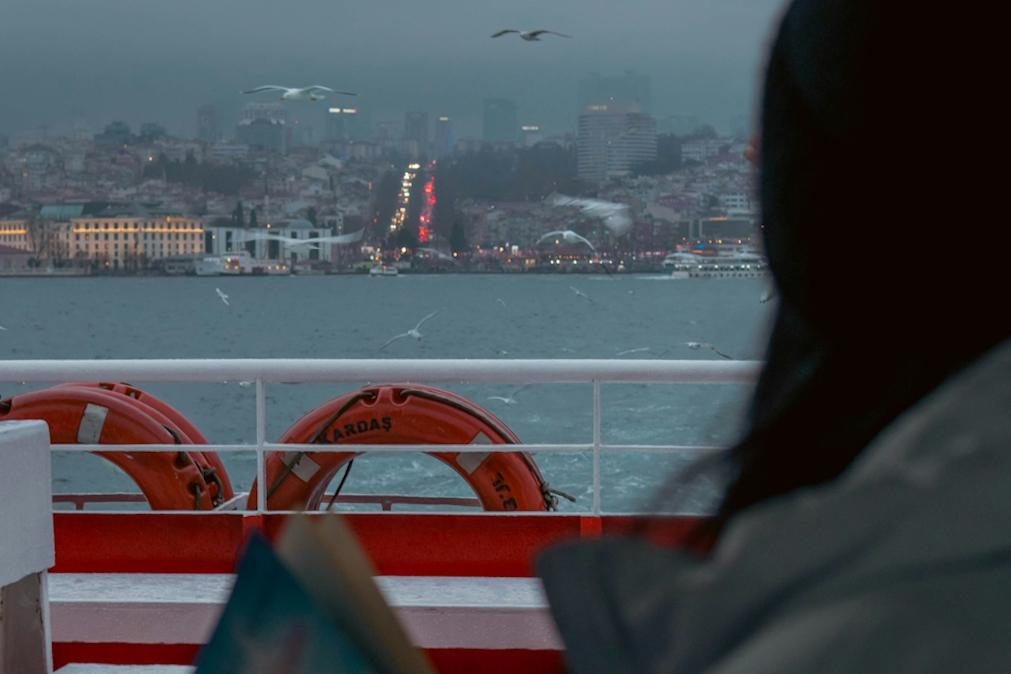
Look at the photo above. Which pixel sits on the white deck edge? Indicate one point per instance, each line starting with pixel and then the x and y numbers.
pixel 437 612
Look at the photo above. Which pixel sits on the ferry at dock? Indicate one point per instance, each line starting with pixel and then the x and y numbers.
pixel 240 264
pixel 735 263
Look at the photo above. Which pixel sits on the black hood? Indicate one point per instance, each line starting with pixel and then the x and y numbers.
pixel 882 224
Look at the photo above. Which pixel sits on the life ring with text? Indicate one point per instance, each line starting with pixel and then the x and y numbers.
pixel 209 463
pixel 399 415
pixel 91 415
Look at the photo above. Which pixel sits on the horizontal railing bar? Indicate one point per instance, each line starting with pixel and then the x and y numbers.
pixel 240 498
pixel 391 449
pixel 520 371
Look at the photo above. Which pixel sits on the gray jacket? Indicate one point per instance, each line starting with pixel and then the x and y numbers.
pixel 901 565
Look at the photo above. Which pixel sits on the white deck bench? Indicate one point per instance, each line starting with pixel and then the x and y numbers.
pixel 437 612
pixel 26 547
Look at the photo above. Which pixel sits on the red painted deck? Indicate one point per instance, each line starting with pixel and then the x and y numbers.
pixel 399 544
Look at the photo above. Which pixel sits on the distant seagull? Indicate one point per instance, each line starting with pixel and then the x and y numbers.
pixel 564 235
pixel 413 332
pixel 641 349
pixel 223 296
pixel 501 301
pixel 511 398
pixel 615 216
pixel 707 345
pixel 3 328
pixel 580 293
pixel 296 94
pixel 341 239
pixel 529 35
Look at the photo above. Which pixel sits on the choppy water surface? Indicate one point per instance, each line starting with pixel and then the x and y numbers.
pixel 491 316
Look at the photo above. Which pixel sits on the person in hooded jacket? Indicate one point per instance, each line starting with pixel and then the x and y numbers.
pixel 866 526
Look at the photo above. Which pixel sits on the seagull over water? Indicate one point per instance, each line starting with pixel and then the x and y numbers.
pixel 413 332
pixel 511 398
pixel 580 293
pixel 311 93
pixel 641 349
pixel 223 296
pixel 567 235
pixel 529 35
pixel 616 217
pixel 707 345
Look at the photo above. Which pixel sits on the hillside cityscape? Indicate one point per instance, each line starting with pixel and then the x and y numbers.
pixel 350 191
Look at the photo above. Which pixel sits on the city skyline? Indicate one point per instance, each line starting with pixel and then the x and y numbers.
pixel 703 60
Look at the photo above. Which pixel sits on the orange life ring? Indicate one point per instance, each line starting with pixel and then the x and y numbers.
pixel 398 415
pixel 75 414
pixel 209 463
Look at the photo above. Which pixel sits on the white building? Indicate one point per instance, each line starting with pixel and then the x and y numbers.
pixel 702 150
pixel 289 241
pixel 612 139
pixel 737 202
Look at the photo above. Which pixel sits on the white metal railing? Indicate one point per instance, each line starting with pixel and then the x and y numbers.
pixel 262 372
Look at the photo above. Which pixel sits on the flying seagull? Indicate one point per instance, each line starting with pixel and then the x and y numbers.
pixel 413 332
pixel 299 94
pixel 223 296
pixel 707 345
pixel 511 398
pixel 616 217
pixel 641 349
pixel 529 35
pixel 564 235
pixel 580 293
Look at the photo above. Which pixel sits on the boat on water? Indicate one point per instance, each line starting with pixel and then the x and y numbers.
pixel 738 263
pixel 240 264
pixel 137 588
pixel 384 270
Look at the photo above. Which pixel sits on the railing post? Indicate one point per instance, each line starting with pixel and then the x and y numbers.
pixel 596 447
pixel 261 440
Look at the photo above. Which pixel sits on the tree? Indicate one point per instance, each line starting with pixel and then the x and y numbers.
pixel 45 240
pixel 150 132
pixel 406 238
pixel 385 198
pixel 458 236
pixel 252 218
pixel 310 215
pixel 668 157
pixel 238 215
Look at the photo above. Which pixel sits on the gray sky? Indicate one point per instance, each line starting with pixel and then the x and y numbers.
pixel 156 60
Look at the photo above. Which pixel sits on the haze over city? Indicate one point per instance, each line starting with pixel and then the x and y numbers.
pixel 65 62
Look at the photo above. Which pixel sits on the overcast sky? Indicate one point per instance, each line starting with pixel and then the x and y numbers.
pixel 91 61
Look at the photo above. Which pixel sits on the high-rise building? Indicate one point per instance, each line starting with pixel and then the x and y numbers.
pixel 416 129
pixel 612 140
pixel 207 124
pixel 627 89
pixel 531 134
pixel 443 137
pixel 264 126
pixel 500 124
pixel 344 124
